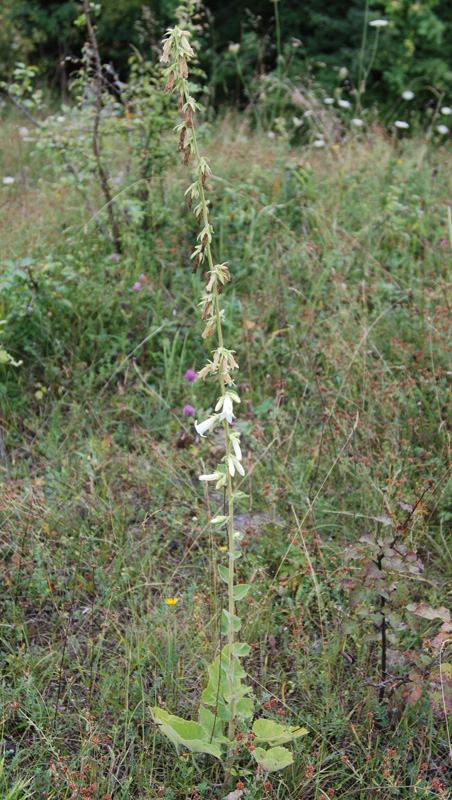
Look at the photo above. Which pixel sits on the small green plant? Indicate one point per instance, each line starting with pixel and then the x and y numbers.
pixel 5 357
pixel 227 707
pixel 382 566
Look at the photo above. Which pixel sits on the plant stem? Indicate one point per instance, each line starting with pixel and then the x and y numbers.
pixel 231 605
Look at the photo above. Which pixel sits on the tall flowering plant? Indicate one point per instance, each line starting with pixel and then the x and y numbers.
pixel 226 706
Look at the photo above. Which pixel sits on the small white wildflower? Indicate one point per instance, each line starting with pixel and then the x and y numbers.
pixel 328 100
pixel 358 122
pixel 399 123
pixel 446 110
pixel 236 446
pixel 233 465
pixel 228 408
pixel 8 180
pixel 407 94
pixel 234 47
pixel 297 122
pixel 214 476
pixel 378 23
pixel 60 119
pixel 23 131
pixel 308 113
pixel 442 129
pixel 271 134
pixel 344 103
pixel 318 143
pixel 202 427
pixel 343 72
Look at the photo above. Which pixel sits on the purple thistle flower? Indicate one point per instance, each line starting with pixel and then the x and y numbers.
pixel 444 242
pixel 188 411
pixel 114 257
pixel 190 375
pixel 136 286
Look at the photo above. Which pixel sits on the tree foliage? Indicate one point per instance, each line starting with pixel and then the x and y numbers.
pixel 415 48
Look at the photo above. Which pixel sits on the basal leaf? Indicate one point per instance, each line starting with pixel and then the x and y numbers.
pixel 187 733
pixel 274 759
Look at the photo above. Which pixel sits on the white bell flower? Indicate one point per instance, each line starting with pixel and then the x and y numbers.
pixel 228 409
pixel 214 476
pixel 236 446
pixel 234 464
pixel 202 427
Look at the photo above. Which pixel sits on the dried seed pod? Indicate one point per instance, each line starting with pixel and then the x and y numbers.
pixel 187 154
pixel 190 202
pixel 203 177
pixel 170 82
pixel 197 262
pixel 182 138
pixel 181 101
pixel 200 218
pixel 183 67
pixel 209 330
pixel 205 239
pixel 206 310
pixel 189 117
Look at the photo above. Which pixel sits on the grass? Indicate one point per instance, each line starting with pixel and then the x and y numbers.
pixel 340 314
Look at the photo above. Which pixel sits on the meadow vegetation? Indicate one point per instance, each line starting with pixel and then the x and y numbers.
pixel 339 312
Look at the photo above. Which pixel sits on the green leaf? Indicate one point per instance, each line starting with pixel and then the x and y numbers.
pixel 239 495
pixel 240 591
pixel 274 759
pixel 187 733
pixel 244 707
pixel 210 722
pixel 241 649
pixel 224 573
pixel 275 734
pixel 236 623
